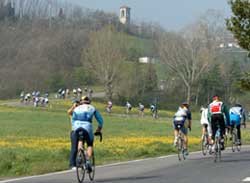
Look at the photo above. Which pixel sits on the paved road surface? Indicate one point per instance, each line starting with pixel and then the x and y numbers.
pixel 197 169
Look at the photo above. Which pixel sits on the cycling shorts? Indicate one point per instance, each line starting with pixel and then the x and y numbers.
pixel 182 126
pixel 82 134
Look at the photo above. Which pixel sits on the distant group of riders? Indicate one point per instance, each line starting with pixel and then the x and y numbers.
pixel 36 98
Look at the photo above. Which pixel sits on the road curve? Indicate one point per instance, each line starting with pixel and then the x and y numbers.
pixel 234 168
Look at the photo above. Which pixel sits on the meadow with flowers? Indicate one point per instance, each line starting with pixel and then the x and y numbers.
pixel 36 140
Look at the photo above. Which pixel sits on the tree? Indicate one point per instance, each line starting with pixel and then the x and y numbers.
pixel 189 59
pixel 104 57
pixel 239 25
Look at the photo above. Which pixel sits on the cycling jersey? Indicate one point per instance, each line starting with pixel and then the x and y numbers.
pixel 204 119
pixel 236 114
pixel 182 114
pixel 216 107
pixel 82 118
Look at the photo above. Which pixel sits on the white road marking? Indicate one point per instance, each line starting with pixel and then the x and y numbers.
pixel 246 179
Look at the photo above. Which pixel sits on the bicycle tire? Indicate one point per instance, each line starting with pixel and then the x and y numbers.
pixel 204 146
pixel 180 148
pixel 92 173
pixel 80 168
pixel 217 151
pixel 233 142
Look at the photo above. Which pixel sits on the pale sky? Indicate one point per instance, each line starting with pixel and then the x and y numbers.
pixel 171 14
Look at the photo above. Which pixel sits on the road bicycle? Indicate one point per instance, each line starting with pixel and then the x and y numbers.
pixel 180 145
pixel 235 140
pixel 217 145
pixel 81 159
pixel 205 146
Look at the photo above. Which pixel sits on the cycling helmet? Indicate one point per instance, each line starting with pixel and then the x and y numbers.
pixel 186 104
pixel 216 97
pixel 238 105
pixel 86 100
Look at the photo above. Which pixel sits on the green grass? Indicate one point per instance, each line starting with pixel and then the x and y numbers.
pixel 20 124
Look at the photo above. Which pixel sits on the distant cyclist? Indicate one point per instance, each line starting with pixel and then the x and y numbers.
pixel 154 111
pixel 82 116
pixel 109 106
pixel 141 109
pixel 182 115
pixel 206 126
pixel 217 112
pixel 237 114
pixel 128 107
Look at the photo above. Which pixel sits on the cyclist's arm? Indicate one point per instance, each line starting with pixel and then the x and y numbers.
pixel 209 114
pixel 226 112
pixel 243 116
pixel 70 110
pixel 99 120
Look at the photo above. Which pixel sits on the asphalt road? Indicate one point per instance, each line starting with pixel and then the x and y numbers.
pixel 234 168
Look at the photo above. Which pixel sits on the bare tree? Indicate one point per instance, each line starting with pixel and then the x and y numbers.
pixel 103 56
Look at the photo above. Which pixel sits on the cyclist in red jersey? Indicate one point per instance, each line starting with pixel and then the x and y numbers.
pixel 218 115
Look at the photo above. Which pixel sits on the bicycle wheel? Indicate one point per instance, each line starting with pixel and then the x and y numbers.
pixel 92 173
pixel 217 150
pixel 180 148
pixel 233 141
pixel 204 145
pixel 80 168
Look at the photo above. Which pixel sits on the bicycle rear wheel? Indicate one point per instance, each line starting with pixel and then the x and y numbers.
pixel 180 148
pixel 80 168
pixel 217 151
pixel 233 141
pixel 92 173
pixel 204 145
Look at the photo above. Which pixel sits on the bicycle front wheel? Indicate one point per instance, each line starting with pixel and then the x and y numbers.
pixel 80 168
pixel 92 173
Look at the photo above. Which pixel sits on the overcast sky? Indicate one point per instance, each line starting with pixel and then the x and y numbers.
pixel 172 14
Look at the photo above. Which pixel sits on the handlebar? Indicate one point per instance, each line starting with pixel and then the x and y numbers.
pixel 99 134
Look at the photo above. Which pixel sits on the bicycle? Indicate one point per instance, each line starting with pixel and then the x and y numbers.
pixel 205 146
pixel 217 143
pixel 81 159
pixel 235 140
pixel 180 145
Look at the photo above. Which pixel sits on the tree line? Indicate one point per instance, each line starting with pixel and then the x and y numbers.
pixel 48 45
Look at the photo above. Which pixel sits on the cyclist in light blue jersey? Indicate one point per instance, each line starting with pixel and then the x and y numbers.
pixel 237 113
pixel 82 116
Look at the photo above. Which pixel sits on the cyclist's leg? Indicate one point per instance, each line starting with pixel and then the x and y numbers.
pixel 238 132
pixel 214 127
pixel 73 152
pixel 185 135
pixel 176 132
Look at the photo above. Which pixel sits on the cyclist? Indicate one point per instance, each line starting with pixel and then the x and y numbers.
pixel 82 116
pixel 237 113
pixel 154 111
pixel 217 114
pixel 141 109
pixel 109 106
pixel 206 127
pixel 180 117
pixel 128 107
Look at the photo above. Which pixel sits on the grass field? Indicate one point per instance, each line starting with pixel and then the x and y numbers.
pixel 36 140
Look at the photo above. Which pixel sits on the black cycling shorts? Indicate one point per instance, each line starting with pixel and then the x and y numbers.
pixel 83 135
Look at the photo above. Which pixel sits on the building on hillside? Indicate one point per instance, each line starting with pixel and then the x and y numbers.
pixel 125 14
pixel 147 60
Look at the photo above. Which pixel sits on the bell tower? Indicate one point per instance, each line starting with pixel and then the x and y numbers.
pixel 125 14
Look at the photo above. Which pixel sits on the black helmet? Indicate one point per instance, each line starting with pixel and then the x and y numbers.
pixel 238 105
pixel 86 100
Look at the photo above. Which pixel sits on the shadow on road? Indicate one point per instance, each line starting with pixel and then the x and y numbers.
pixel 127 179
